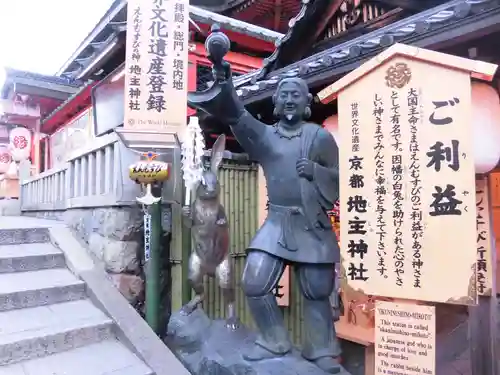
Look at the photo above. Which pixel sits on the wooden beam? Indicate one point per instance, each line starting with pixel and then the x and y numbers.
pixel 406 4
pixel 36 141
pixel 483 320
pixel 238 61
pixel 335 5
pixel 277 15
pixel 33 90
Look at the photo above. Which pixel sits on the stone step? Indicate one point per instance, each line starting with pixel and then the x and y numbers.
pixel 108 357
pixel 40 331
pixel 30 257
pixel 20 236
pixel 36 288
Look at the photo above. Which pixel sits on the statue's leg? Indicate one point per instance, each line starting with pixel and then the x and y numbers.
pixel 195 277
pixel 260 276
pixel 225 277
pixel 320 346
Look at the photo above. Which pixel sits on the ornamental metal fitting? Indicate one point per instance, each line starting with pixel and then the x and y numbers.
pixel 148 172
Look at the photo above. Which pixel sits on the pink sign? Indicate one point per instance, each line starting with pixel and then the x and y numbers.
pixel 5 159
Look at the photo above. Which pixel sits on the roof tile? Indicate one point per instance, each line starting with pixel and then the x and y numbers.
pixel 422 23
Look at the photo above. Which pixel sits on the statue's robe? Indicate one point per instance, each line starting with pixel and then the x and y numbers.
pixel 297 227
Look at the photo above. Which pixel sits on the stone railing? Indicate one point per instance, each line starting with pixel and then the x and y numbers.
pixel 92 177
pixel 92 193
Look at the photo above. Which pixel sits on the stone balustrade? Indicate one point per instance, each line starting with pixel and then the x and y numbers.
pixel 95 176
pixel 92 193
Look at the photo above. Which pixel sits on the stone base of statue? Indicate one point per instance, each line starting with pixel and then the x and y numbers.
pixel 208 347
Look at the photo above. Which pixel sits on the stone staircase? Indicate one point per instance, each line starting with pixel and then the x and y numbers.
pixel 48 325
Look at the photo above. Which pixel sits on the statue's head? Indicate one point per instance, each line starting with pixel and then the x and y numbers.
pixel 292 101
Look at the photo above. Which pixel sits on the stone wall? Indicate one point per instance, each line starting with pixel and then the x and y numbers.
pixel 10 207
pixel 114 238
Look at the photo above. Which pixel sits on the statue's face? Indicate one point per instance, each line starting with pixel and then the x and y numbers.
pixel 291 103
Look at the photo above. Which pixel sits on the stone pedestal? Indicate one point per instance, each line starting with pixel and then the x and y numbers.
pixel 207 347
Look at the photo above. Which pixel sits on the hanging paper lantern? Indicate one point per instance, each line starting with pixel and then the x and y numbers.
pixel 332 125
pixel 20 143
pixel 5 159
pixel 11 171
pixel 486 126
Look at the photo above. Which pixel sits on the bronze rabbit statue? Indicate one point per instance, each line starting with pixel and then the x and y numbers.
pixel 210 238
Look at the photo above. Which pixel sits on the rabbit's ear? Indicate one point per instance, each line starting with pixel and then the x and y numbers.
pixel 217 153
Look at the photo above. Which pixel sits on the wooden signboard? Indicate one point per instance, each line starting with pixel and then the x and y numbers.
pixel 156 65
pixel 494 189
pixel 282 290
pixel 484 239
pixel 407 177
pixel 405 339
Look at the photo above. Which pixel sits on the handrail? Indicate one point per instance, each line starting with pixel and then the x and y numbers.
pixel 94 176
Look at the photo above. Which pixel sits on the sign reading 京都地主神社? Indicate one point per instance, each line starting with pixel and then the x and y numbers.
pixel 156 65
pixel 484 240
pixel 405 338
pixel 407 181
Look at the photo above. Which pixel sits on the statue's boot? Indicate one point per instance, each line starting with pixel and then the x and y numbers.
pixel 273 340
pixel 320 345
pixel 328 364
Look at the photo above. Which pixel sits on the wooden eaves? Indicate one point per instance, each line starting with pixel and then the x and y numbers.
pixel 477 69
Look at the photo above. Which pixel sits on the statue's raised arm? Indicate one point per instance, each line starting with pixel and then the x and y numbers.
pixel 222 102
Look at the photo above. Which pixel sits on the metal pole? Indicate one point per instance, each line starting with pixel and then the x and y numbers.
pixel 186 252
pixel 151 174
pixel 153 267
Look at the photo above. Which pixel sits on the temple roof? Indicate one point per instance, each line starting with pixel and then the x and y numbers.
pixel 271 14
pixel 108 36
pixel 15 76
pixel 309 14
pixel 204 16
pixel 440 24
pixel 476 69
pixel 51 117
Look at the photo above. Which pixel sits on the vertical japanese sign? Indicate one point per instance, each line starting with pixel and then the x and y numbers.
pixel 405 339
pixel 484 240
pixel 407 183
pixel 147 237
pixel 156 64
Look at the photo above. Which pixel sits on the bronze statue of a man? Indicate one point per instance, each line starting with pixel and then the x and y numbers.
pixel 300 164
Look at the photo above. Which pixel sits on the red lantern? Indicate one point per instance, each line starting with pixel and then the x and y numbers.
pixel 20 143
pixel 5 159
pixel 486 126
pixel 332 125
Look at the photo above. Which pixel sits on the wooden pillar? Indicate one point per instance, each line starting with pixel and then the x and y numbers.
pixel 36 143
pixel 483 319
pixel 46 163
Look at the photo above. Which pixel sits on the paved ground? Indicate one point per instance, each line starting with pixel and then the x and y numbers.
pixel 460 367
